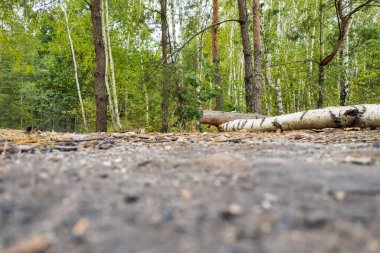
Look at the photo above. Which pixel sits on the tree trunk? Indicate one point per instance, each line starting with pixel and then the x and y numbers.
pixel 215 56
pixel 321 70
pixel 321 86
pixel 248 79
pixel 231 59
pixel 277 89
pixel 344 92
pixel 257 56
pixel 113 79
pixel 199 67
pixel 75 66
pixel 216 118
pixel 275 86
pixel 330 117
pixel 165 82
pixel 172 16
pixel 311 56
pixel 99 73
pixel 106 75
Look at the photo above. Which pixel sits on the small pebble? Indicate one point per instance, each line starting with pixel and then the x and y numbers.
pixel 168 214
pixel 186 194
pixel 233 211
pixel 81 227
pixel 340 195
pixel 131 199
pixel 266 204
pixel 107 163
pixel 364 160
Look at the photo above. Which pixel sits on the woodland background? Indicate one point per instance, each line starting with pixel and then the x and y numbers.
pixel 37 70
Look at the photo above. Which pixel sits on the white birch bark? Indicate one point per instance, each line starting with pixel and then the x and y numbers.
pixel 125 104
pixel 355 66
pixel 172 14
pixel 311 56
pixel 330 117
pixel 199 70
pixel 113 79
pixel 344 93
pixel 312 42
pixel 63 7
pixel 279 21
pixel 231 56
pixel 106 76
pixel 277 88
pixel 144 85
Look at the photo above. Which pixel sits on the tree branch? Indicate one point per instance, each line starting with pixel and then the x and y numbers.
pixel 292 62
pixel 152 10
pixel 366 3
pixel 339 14
pixel 343 23
pixel 198 33
pixel 88 3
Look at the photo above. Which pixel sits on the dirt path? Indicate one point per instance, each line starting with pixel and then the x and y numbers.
pixel 299 191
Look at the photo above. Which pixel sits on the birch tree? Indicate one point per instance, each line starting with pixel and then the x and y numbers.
pixel 106 73
pixel 215 56
pixel 63 7
pixel 112 68
pixel 344 88
pixel 257 56
pixel 248 69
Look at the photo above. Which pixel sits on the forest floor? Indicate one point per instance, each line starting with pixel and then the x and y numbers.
pixel 292 192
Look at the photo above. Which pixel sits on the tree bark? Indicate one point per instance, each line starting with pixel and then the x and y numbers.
pixel 321 86
pixel 172 16
pixel 248 78
pixel 112 68
pixel 231 60
pixel 275 86
pixel 106 73
pixel 215 56
pixel 257 56
pixel 75 66
pixel 165 83
pixel 311 56
pixel 321 70
pixel 344 89
pixel 99 73
pixel 216 118
pixel 330 117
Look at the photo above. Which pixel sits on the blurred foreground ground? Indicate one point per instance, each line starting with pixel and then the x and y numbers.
pixel 302 191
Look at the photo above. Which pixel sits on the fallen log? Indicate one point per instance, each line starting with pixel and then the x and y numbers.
pixel 216 118
pixel 330 117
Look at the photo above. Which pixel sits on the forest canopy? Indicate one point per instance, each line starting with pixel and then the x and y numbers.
pixel 48 57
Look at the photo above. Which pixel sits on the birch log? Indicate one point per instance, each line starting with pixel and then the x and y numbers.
pixel 217 118
pixel 330 117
